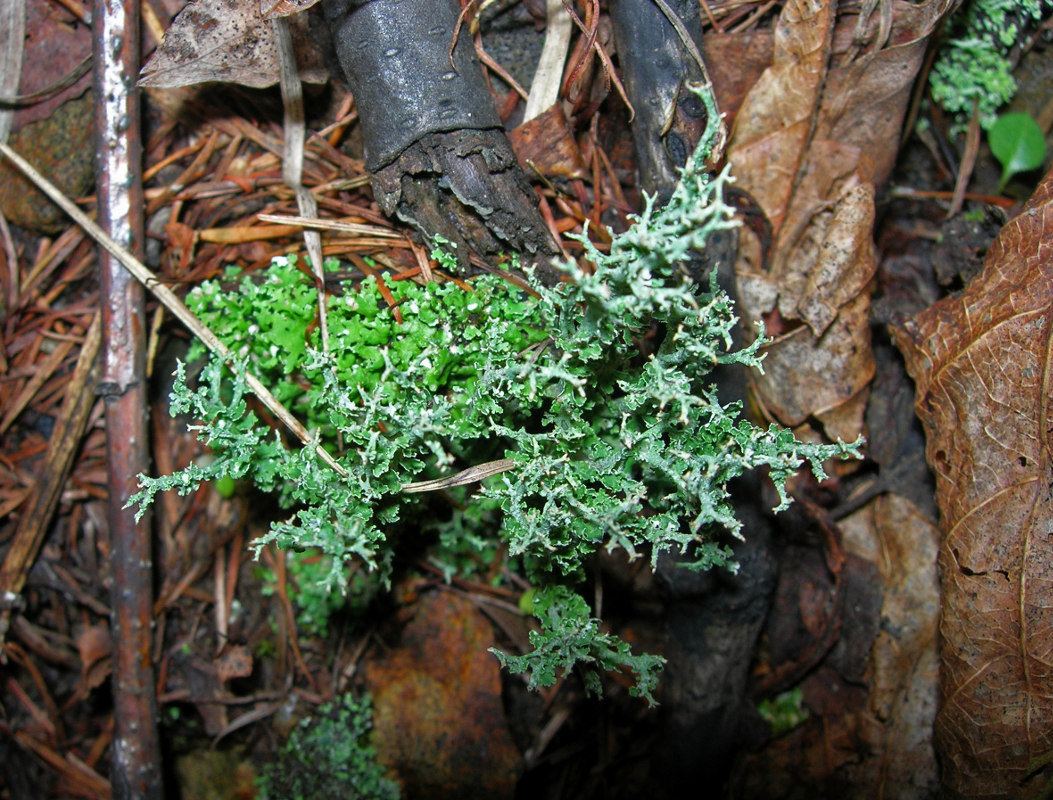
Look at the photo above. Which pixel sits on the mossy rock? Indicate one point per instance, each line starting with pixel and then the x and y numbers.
pixel 61 149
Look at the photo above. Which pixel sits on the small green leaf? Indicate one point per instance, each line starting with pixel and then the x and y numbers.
pixel 1017 141
pixel 225 486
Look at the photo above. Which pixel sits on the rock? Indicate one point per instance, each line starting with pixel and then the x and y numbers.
pixel 61 149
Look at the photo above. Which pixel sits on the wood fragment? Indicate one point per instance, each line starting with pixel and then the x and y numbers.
pixel 544 89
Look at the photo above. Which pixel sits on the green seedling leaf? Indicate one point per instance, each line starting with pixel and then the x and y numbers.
pixel 1018 143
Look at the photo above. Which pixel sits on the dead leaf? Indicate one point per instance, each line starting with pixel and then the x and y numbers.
pixel 438 721
pixel 546 145
pixel 982 364
pixel 94 645
pixel 735 61
pixel 283 8
pixel 236 662
pixel 902 676
pixel 800 371
pixel 228 41
pixel 813 176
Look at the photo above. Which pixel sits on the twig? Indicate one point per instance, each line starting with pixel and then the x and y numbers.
pixel 544 89
pixel 968 163
pixel 78 72
pixel 354 228
pixel 292 159
pixel 473 474
pixel 122 380
pixel 12 42
pixel 170 300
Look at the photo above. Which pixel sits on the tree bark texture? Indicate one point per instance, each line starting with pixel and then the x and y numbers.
pixel 136 754
pixel 434 144
pixel 656 67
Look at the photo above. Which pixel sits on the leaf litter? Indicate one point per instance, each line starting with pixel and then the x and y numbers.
pixel 821 206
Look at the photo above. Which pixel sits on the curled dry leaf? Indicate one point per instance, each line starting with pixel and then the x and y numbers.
pixel 94 645
pixel 229 41
pixel 283 8
pixel 983 365
pixel 813 175
pixel 901 542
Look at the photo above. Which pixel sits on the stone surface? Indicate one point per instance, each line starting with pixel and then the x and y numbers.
pixel 60 147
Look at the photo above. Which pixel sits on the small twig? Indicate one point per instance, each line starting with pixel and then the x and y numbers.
pixel 968 163
pixel 78 72
pixel 544 89
pixel 170 300
pixel 292 159
pixel 501 72
pixel 471 475
pixel 354 228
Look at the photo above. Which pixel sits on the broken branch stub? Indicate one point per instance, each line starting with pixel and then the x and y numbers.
pixel 434 144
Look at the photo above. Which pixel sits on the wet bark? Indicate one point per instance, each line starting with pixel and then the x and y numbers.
pixel 713 620
pixel 657 66
pixel 434 144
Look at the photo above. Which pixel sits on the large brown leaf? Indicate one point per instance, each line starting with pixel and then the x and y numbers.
pixel 811 140
pixel 231 41
pixel 982 364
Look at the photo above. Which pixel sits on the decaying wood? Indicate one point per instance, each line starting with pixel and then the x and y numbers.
pixel 657 66
pixel 439 157
pixel 467 186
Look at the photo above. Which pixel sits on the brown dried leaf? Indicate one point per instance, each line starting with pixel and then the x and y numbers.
pixel 236 662
pixel 437 713
pixel 94 645
pixel 809 145
pixel 982 364
pixel 895 536
pixel 799 371
pixel 546 145
pixel 228 41
pixel 283 8
pixel 735 61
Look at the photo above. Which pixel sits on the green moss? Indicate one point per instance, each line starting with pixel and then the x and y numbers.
pixel 784 712
pixel 972 66
pixel 328 755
